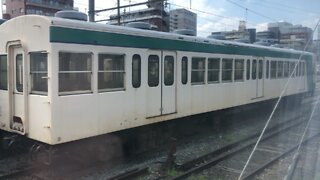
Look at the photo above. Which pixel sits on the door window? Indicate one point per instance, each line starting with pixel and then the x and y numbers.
pixel 19 73
pixel 168 70
pixel 153 71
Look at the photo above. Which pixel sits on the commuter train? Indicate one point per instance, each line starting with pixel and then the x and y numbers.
pixel 63 80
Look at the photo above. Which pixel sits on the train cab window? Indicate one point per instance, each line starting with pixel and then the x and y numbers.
pixel 136 71
pixel 260 69
pixel 184 70
pixel 3 72
pixel 286 69
pixel 198 70
pixel 273 69
pixel 248 69
pixel 153 71
pixel 213 70
pixel 168 70
pixel 39 73
pixel 111 72
pixel 19 73
pixel 227 70
pixel 238 70
pixel 254 69
pixel 75 71
pixel 280 69
pixel 267 69
pixel 291 69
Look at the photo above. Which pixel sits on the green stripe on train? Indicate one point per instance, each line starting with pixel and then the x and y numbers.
pixel 80 36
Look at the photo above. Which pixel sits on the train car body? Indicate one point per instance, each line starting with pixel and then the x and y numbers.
pixel 65 80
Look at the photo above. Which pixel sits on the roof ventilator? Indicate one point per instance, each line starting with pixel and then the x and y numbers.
pixel 139 25
pixel 75 15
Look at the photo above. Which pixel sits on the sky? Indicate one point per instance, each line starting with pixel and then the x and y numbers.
pixel 224 15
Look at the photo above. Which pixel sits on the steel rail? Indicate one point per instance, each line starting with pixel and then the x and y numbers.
pixel 231 153
pixel 252 174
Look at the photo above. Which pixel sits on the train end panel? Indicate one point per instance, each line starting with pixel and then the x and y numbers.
pixel 23 110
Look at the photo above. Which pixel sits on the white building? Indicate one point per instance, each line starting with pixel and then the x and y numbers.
pixel 183 19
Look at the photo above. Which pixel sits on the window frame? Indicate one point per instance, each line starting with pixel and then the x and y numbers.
pixel 214 70
pixel 235 70
pixel 6 71
pixel 44 93
pixel 232 70
pixel 267 69
pixel 167 80
pixel 133 71
pixel 254 69
pixel 248 69
pixel 273 70
pixel 65 93
pixel 260 69
pixel 158 69
pixel 102 90
pixel 184 71
pixel 17 87
pixel 280 71
pixel 204 59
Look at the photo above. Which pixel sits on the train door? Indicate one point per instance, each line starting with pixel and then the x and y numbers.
pixel 161 91
pixel 168 93
pixel 17 64
pixel 260 78
pixel 257 76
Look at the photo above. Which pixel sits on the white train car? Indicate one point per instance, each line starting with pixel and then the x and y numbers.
pixel 64 80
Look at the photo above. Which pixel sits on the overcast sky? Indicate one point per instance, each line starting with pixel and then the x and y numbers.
pixel 220 15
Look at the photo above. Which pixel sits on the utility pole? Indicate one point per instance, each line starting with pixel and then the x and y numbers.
pixel 118 7
pixel 91 10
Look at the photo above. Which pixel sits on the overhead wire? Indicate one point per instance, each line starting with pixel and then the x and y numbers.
pixel 250 10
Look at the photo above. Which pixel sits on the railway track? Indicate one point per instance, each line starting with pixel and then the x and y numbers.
pixel 221 160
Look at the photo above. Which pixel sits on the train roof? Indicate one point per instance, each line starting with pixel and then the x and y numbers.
pixel 105 28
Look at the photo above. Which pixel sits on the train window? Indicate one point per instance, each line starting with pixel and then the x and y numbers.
pixel 39 73
pixel 239 70
pixel 19 73
pixel 111 72
pixel 213 70
pixel 273 69
pixel 280 69
pixel 260 69
pixel 75 71
pixel 227 68
pixel 291 68
pixel 153 70
pixel 168 70
pixel 198 70
pixel 267 69
pixel 184 70
pixel 3 72
pixel 254 69
pixel 286 69
pixel 303 69
pixel 136 71
pixel 297 68
pixel 248 69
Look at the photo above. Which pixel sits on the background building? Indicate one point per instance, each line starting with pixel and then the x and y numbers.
pixel 183 19
pixel 155 14
pixel 16 8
